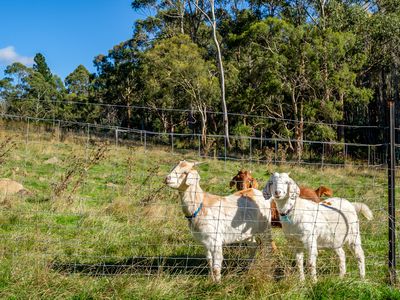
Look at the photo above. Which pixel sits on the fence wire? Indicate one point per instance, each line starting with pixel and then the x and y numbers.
pixel 107 215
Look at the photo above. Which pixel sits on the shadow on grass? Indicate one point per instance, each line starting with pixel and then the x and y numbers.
pixel 147 265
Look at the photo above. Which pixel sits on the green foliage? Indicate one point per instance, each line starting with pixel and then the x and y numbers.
pixel 41 67
pixel 176 76
pixel 79 82
pixel 305 61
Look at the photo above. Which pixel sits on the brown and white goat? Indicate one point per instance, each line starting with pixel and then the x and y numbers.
pixel 244 180
pixel 216 220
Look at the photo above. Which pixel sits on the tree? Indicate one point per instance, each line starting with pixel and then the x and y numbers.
pixel 119 80
pixel 41 66
pixel 302 73
pixel 79 85
pixel 33 94
pixel 177 76
pixel 79 82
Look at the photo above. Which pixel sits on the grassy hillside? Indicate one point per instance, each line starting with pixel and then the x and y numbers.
pixel 100 224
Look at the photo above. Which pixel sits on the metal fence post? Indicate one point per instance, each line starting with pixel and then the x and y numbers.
pixel 88 135
pixel 198 136
pixel 116 137
pixel 250 148
pixel 369 153
pixel 172 142
pixel 145 141
pixel 27 132
pixel 225 149
pixel 391 195
pixel 59 130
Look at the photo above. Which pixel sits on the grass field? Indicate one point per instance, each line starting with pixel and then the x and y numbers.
pixel 99 224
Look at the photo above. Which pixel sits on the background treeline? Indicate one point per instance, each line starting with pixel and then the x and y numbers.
pixel 295 64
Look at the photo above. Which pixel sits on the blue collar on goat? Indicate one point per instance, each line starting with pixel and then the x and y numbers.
pixel 284 217
pixel 195 213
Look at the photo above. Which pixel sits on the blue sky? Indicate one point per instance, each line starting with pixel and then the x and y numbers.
pixel 67 33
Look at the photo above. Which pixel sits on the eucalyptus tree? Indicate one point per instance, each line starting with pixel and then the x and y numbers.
pixel 6 92
pixel 300 73
pixel 34 89
pixel 80 95
pixel 380 36
pixel 177 76
pixel 193 15
pixel 118 81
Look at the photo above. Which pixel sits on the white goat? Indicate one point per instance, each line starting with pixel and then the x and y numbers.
pixel 216 220
pixel 329 224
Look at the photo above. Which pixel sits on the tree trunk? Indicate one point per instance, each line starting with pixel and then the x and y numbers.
pixel 298 125
pixel 129 113
pixel 300 135
pixel 182 16
pixel 221 77
pixel 340 130
pixel 203 114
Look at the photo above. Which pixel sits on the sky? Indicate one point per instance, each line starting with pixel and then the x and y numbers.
pixel 68 33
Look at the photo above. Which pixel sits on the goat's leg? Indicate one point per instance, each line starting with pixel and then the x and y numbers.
pixel 312 260
pixel 342 261
pixel 300 263
pixel 359 253
pixel 210 264
pixel 217 258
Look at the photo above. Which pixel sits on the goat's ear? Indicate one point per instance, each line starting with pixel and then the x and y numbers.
pixel 325 191
pixel 192 178
pixel 233 181
pixel 196 163
pixel 294 190
pixel 318 192
pixel 267 190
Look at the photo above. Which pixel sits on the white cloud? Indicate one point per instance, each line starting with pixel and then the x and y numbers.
pixel 9 56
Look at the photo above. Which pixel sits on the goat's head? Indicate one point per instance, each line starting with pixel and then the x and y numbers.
pixel 243 180
pixel 324 191
pixel 183 175
pixel 280 186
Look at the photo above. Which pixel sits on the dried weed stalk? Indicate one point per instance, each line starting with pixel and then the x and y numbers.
pixel 5 148
pixel 129 176
pixel 77 171
pixel 153 193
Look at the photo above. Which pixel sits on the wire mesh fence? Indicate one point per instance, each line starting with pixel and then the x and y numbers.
pixel 97 203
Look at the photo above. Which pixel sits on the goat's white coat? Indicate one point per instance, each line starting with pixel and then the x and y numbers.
pixel 222 220
pixel 311 226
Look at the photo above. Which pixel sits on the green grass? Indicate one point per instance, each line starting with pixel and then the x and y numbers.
pixel 111 219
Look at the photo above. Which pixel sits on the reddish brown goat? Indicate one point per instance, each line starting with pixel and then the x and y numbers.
pixel 244 180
